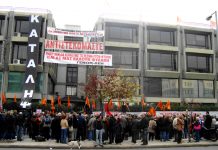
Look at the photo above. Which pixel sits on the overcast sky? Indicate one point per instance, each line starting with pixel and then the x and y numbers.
pixel 86 12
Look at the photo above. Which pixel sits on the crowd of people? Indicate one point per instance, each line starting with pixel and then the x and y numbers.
pixel 65 127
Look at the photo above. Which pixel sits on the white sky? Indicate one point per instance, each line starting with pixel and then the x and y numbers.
pixel 86 12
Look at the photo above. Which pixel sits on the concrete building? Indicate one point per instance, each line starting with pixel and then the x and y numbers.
pixel 171 62
pixel 14 31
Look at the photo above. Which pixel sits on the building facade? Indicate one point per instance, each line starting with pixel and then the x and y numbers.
pixel 171 62
pixel 14 31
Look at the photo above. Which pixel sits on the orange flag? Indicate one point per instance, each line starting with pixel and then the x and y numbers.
pixel 110 104
pixel 59 101
pixel 87 102
pixel 160 105
pixel 167 106
pixel 152 111
pixel 143 101
pixel 43 101
pixel 93 104
pixel 52 103
pixel 118 105
pixel 68 101
pixel 15 98
pixel 3 99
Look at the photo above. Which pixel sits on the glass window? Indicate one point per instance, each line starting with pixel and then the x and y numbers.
pixel 197 40
pixel 1 78
pixel 16 81
pixel 198 89
pixel 123 57
pixel 0 52
pixel 163 61
pixel 2 22
pixel 199 63
pixel 161 37
pixel 71 90
pixel 158 87
pixel 72 75
pixel 22 26
pixel 39 82
pixel 50 85
pixel 121 33
pixel 20 52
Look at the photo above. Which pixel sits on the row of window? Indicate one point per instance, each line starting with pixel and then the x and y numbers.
pixel 21 25
pixel 159 36
pixel 124 33
pixel 159 87
pixel 16 80
pixel 153 87
pixel 128 58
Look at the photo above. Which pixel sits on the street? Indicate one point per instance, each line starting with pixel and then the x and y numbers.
pixel 173 148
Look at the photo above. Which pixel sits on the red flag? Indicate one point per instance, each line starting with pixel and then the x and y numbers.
pixel 110 104
pixel 93 104
pixel 152 111
pixel 160 105
pixel 68 101
pixel 107 109
pixel 15 98
pixel 167 106
pixel 87 102
pixel 3 99
pixel 59 101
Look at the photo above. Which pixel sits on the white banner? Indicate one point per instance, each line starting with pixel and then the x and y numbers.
pixel 78 58
pixel 55 31
pixel 74 45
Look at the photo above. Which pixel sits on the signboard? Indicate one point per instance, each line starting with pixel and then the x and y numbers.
pixel 55 31
pixel 32 60
pixel 74 45
pixel 78 58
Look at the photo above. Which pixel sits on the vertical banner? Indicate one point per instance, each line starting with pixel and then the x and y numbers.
pixel 32 60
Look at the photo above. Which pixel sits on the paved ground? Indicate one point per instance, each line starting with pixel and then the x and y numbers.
pixel 28 143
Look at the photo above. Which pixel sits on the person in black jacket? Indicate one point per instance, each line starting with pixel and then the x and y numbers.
pixel 208 120
pixel 56 127
pixel 144 128
pixel 20 126
pixel 111 129
pixel 118 131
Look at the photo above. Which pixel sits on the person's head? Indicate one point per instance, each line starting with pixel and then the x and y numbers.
pixel 207 113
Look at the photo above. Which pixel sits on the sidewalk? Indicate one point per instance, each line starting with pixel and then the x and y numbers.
pixel 126 144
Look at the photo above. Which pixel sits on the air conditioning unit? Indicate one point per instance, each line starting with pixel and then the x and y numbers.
pixel 16 61
pixel 17 34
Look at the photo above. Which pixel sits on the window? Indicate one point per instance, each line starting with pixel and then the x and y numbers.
pixel 163 61
pixel 198 89
pixel 72 75
pixel 123 57
pixel 161 37
pixel 0 81
pixel 20 52
pixel 71 90
pixel 16 80
pixel 0 52
pixel 22 25
pixel 158 87
pixel 2 22
pixel 199 63
pixel 121 33
pixel 51 85
pixel 198 40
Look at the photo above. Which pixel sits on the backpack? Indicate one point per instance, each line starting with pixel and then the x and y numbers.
pixel 47 120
